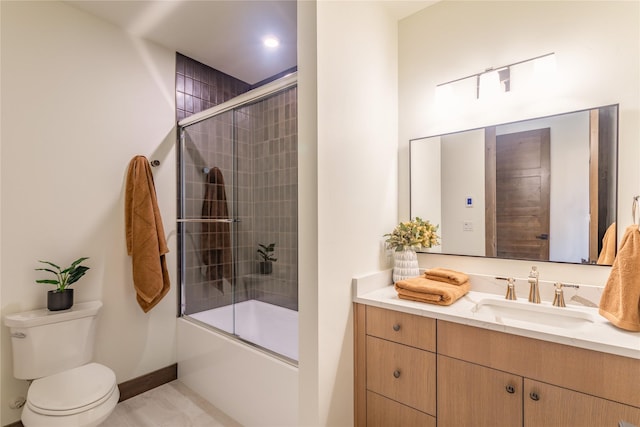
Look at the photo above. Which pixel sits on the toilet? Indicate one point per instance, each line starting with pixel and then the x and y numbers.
pixel 54 349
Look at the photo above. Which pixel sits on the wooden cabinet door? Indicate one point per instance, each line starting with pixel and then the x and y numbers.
pixel 546 405
pixel 471 395
pixel 383 412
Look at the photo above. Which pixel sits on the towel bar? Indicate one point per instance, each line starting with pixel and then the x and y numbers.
pixel 634 208
pixel 208 220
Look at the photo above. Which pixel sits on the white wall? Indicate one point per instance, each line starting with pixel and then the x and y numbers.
pixel 597 45
pixel 308 344
pixel 356 192
pixel 80 98
pixel 426 187
pixel 462 177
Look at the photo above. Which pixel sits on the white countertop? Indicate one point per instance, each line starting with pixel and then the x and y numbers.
pixel 597 334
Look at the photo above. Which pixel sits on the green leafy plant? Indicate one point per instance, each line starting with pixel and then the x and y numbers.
pixel 266 252
pixel 64 278
pixel 413 234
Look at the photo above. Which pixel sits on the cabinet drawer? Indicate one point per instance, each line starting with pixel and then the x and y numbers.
pixel 404 328
pixel 383 412
pixel 548 405
pixel 402 373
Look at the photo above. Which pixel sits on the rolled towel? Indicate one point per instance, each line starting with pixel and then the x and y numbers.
pixel 430 291
pixel 447 276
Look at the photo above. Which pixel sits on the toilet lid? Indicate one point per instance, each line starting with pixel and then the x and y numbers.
pixel 69 392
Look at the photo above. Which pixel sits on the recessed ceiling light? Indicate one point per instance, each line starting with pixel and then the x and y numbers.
pixel 271 41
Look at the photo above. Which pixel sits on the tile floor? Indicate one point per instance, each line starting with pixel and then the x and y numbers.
pixel 170 405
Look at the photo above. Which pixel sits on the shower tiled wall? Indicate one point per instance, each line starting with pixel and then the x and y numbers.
pixel 199 87
pixel 262 193
pixel 273 197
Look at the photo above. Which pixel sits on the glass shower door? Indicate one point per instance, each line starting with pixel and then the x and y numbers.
pixel 207 220
pixel 238 193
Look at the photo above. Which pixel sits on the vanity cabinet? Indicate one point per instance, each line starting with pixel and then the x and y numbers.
pixel 541 383
pixel 484 377
pixel 395 368
pixel 474 395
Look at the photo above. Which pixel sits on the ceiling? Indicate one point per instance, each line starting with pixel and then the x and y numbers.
pixel 225 35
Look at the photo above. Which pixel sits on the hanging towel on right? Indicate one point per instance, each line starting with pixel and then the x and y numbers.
pixel 620 302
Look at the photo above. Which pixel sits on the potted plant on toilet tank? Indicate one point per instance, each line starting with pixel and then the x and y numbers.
pixel 267 257
pixel 61 298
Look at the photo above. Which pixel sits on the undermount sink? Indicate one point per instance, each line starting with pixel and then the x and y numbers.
pixel 523 313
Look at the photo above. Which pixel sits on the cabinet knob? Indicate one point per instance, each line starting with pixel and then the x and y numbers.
pixel 510 389
pixel 396 373
pixel 396 327
pixel 534 396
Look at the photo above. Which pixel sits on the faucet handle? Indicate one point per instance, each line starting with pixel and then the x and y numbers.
pixel 511 291
pixel 534 291
pixel 558 298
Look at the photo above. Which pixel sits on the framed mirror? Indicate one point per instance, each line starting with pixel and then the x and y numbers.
pixel 542 189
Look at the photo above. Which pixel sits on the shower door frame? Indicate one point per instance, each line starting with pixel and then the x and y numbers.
pixel 182 220
pixel 232 105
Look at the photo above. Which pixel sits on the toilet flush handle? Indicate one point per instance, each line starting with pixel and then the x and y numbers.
pixel 18 335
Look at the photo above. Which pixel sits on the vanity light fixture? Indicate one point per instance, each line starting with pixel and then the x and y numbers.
pixel 496 80
pixel 493 82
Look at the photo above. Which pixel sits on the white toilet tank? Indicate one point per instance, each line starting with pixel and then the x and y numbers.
pixel 47 342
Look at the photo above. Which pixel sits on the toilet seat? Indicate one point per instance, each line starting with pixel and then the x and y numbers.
pixel 73 391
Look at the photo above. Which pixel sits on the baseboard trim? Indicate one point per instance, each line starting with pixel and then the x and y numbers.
pixel 139 385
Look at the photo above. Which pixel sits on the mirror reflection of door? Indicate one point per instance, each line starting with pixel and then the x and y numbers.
pixel 520 229
pixel 603 123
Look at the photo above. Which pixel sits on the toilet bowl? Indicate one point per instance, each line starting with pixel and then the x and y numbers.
pixel 79 397
pixel 54 349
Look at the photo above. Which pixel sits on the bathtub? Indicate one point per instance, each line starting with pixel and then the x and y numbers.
pixel 250 385
pixel 266 325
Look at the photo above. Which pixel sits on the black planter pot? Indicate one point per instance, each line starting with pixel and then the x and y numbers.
pixel 266 267
pixel 59 300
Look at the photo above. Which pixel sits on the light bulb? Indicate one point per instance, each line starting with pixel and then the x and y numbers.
pixel 271 42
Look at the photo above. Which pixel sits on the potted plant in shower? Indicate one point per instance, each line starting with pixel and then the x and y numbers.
pixel 267 259
pixel 61 298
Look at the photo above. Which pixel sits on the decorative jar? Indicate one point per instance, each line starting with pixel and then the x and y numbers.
pixel 405 264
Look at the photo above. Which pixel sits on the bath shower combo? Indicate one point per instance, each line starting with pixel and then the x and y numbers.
pixel 238 331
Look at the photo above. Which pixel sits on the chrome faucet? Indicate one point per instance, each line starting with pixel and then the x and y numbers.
pixel 534 290
pixel 511 291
